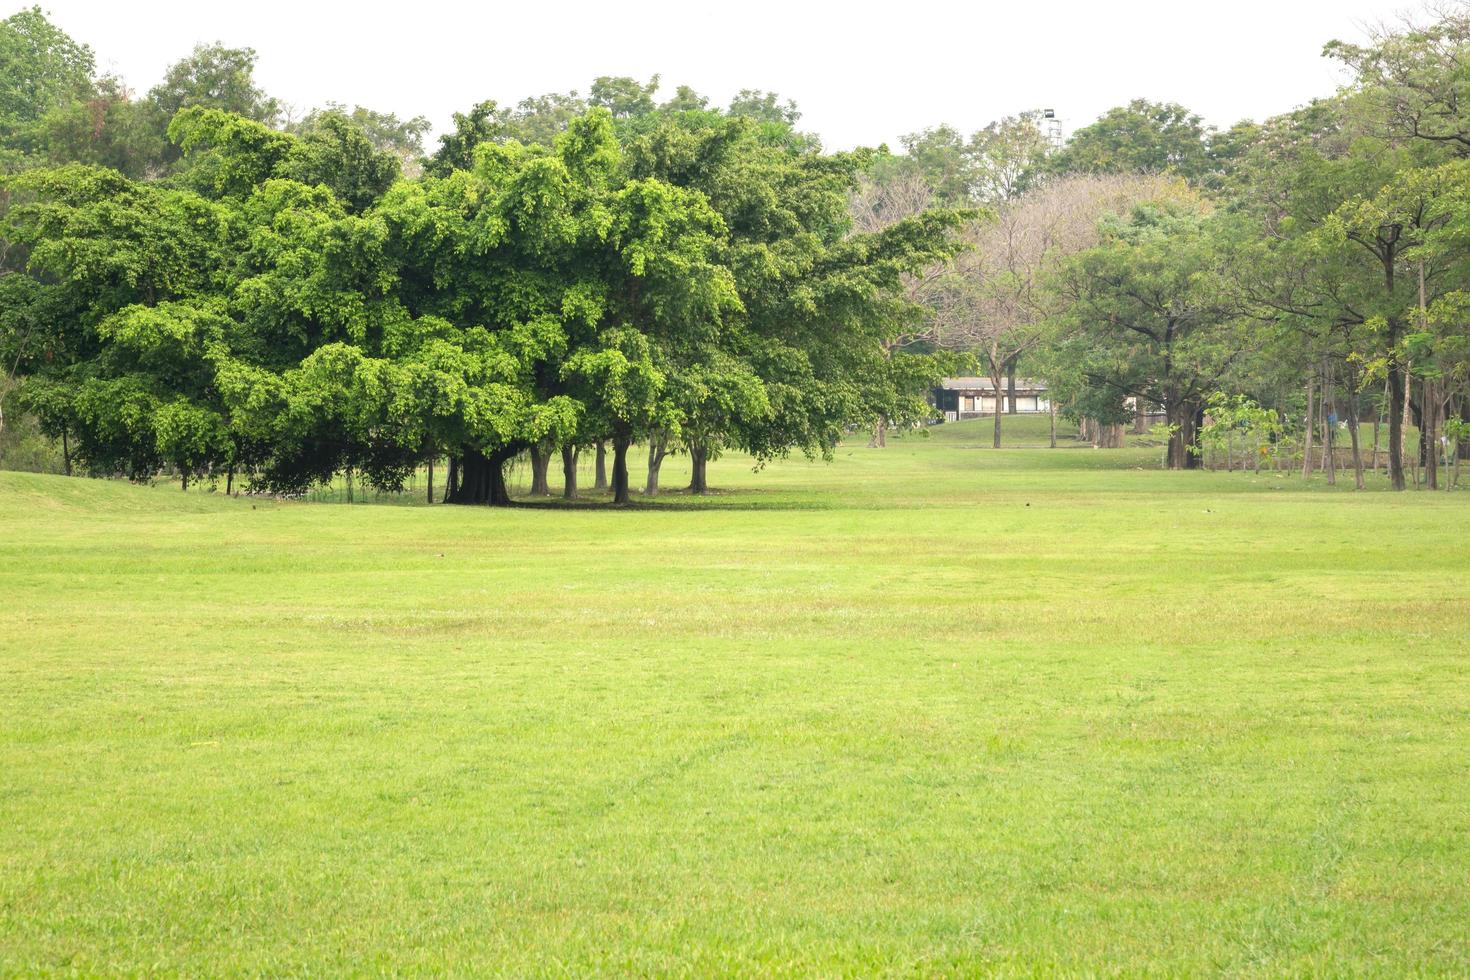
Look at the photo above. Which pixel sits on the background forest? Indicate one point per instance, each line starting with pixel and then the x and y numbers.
pixel 194 282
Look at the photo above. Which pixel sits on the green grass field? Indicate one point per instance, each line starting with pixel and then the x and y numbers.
pixel 935 709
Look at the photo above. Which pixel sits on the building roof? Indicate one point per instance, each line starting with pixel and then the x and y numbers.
pixel 983 384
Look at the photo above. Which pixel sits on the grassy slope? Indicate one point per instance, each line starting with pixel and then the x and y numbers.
pixel 934 708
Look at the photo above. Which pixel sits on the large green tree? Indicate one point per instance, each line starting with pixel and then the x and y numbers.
pixel 1140 137
pixel 1147 315
pixel 41 69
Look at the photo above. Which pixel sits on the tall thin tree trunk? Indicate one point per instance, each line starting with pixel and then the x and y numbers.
pixel 1397 386
pixel 1428 425
pixel 1462 412
pixel 569 452
pixel 430 495
pixel 1378 422
pixel 599 481
pixel 658 446
pixel 1352 423
pixel 1281 422
pixel 1010 388
pixel 1329 425
pixel 65 452
pixel 1458 411
pixel 1311 424
pixel 1399 419
pixel 996 379
pixel 698 458
pixel 540 464
pixel 1053 408
pixel 1429 434
pixel 499 495
pixel 620 469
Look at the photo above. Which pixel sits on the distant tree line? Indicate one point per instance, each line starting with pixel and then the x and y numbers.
pixel 1268 286
pixel 194 285
pixel 192 282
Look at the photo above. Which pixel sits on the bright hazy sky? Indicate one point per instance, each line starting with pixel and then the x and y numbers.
pixel 862 73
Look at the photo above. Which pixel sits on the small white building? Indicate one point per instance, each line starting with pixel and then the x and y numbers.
pixel 968 398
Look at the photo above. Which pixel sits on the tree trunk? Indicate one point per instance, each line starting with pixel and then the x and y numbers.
pixel 1352 424
pixel 1010 389
pixel 540 463
pixel 620 469
pixel 880 435
pixel 1398 400
pixel 499 492
pixel 1429 434
pixel 569 453
pixel 1378 423
pixel 1184 419
pixel 658 447
pixel 1109 436
pixel 230 480
pixel 995 380
pixel 1140 416
pixel 1192 460
pixel 1463 414
pixel 599 481
pixel 1311 425
pixel 65 452
pixel 1329 425
pixel 349 485
pixel 698 457
pixel 430 495
pixel 1053 408
pixel 481 477
pixel 1458 410
pixel 462 484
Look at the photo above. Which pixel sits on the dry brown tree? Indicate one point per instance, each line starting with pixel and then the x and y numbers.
pixel 997 289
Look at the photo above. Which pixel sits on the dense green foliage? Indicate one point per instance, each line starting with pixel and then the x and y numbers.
pixel 286 305
pixel 189 286
pixel 1318 265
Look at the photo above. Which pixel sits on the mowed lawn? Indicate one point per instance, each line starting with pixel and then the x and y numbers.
pixel 934 709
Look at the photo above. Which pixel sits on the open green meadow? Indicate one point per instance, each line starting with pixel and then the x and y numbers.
pixel 933 709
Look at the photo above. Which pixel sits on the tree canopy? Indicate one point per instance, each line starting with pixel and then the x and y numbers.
pixel 287 305
pixel 192 283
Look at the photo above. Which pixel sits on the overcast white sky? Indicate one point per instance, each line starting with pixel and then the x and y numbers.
pixel 862 73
